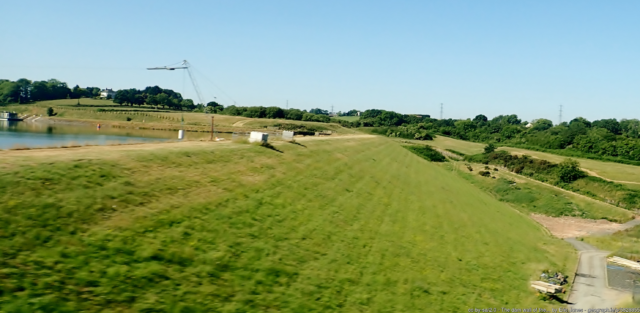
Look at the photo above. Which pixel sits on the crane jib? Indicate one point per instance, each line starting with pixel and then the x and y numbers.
pixel 185 66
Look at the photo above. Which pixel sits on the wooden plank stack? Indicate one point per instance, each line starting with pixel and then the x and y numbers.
pixel 624 262
pixel 546 287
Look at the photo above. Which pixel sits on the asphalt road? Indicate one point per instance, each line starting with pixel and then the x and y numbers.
pixel 590 289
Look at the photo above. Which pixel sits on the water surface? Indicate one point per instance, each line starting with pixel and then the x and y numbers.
pixel 39 135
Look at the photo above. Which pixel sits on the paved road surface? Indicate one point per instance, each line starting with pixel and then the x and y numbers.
pixel 590 289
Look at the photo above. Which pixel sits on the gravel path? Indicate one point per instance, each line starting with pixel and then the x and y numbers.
pixel 589 288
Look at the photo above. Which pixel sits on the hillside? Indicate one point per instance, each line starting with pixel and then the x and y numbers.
pixel 624 173
pixel 107 112
pixel 356 224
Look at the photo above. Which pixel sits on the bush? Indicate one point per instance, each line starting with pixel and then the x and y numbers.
pixel 50 111
pixel 456 152
pixel 128 119
pixel 428 153
pixel 484 173
pixel 569 171
pixel 490 148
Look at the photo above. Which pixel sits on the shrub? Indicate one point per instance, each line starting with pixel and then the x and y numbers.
pixel 490 148
pixel 484 173
pixel 50 111
pixel 456 152
pixel 428 153
pixel 128 119
pixel 569 171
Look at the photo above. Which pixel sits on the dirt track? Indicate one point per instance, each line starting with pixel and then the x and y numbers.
pixel 592 173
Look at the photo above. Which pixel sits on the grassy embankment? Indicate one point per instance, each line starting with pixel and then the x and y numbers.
pixel 613 183
pixel 625 243
pixel 529 196
pixel 107 112
pixel 606 170
pixel 342 224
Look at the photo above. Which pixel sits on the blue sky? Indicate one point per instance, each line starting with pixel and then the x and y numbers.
pixel 490 57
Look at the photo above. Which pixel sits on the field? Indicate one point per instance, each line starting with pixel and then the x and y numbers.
pixel 624 243
pixel 348 118
pixel 353 224
pixel 466 147
pixel 608 170
pixel 105 111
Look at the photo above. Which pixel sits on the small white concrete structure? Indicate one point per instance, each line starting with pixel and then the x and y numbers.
pixel 104 93
pixel 181 134
pixel 258 137
pixel 287 135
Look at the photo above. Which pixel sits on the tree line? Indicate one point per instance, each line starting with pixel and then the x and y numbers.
pixel 26 91
pixel 606 138
pixel 153 96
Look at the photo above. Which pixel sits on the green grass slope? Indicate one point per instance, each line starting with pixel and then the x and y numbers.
pixel 529 196
pixel 105 111
pixel 329 225
pixel 624 173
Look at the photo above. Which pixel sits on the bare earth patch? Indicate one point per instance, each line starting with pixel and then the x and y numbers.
pixel 569 227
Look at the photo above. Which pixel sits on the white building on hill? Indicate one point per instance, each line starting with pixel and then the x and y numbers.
pixel 105 93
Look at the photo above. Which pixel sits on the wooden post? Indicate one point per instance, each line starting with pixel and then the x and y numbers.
pixel 211 128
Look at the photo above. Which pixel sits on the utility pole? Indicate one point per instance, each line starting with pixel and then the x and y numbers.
pixel 560 116
pixel 211 128
pixel 331 110
pixel 441 109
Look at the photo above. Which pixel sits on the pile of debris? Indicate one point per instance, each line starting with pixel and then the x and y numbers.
pixel 553 278
pixel 550 283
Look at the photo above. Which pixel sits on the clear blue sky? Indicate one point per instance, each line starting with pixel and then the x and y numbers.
pixel 489 57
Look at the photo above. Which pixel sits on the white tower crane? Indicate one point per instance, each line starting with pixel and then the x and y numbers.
pixel 184 65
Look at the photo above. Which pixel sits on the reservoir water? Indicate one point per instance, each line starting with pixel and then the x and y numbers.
pixel 25 134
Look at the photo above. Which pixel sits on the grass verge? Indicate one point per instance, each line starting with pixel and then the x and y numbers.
pixel 338 225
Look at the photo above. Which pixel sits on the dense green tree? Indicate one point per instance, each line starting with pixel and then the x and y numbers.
pixel 541 124
pixel 612 125
pixel 274 112
pixel 214 107
pixel 319 111
pixel 293 114
pixel 187 104
pixel 490 148
pixel 582 121
pixel 480 118
pixel 630 128
pixel 569 171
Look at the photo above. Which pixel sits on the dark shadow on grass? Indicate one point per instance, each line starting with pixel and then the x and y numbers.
pixel 270 146
pixel 556 298
pixel 297 143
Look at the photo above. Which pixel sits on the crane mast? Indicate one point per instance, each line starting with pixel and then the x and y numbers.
pixel 185 65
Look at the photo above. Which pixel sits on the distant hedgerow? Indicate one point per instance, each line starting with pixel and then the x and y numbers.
pixel 428 153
